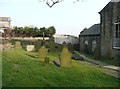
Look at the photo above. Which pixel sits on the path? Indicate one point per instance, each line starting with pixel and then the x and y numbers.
pixel 108 69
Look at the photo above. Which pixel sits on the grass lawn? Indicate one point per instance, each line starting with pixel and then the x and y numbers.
pixel 104 60
pixel 23 69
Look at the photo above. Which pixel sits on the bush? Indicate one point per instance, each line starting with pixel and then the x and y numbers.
pixel 38 44
pixel 53 46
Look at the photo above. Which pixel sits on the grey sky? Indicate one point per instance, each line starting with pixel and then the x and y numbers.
pixel 67 17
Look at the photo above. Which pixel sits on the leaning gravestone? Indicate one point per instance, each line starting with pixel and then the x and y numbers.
pixel 65 58
pixel 17 44
pixel 30 48
pixel 42 53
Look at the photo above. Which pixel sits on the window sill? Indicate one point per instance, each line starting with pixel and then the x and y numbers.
pixel 116 48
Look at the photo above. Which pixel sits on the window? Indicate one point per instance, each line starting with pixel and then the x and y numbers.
pixel 117 34
pixel 86 42
pixel 94 45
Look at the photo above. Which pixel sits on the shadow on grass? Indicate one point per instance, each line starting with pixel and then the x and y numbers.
pixel 31 56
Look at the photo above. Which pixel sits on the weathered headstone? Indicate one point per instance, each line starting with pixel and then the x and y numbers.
pixel 42 52
pixel 17 44
pixel 30 48
pixel 65 58
pixel 46 61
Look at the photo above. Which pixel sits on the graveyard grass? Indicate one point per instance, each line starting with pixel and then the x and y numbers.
pixel 23 69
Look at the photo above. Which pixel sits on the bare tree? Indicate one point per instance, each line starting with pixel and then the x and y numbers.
pixel 53 2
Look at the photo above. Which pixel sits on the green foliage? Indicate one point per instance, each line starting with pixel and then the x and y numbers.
pixel 18 45
pixel 53 47
pixel 31 31
pixel 65 58
pixel 38 44
pixel 51 31
pixel 42 52
pixel 21 70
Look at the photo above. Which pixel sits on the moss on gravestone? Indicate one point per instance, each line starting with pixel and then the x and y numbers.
pixel 18 45
pixel 42 53
pixel 65 58
pixel 46 61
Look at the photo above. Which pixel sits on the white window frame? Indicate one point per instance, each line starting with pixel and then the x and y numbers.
pixel 116 39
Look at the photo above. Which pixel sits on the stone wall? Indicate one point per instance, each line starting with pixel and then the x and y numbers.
pixel 107 15
pixel 90 39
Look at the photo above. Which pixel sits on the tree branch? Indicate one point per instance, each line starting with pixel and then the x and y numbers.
pixel 53 2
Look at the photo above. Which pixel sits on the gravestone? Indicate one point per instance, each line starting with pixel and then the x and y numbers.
pixel 42 53
pixel 65 58
pixel 46 61
pixel 18 44
pixel 30 48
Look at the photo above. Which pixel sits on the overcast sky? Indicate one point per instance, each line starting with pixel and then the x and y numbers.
pixel 67 17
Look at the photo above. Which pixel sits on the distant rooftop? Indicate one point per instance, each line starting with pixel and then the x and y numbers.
pixel 5 19
pixel 93 30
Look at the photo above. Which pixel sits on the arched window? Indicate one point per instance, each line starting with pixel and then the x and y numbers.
pixel 117 34
pixel 86 42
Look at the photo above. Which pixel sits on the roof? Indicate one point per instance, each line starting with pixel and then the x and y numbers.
pixel 110 3
pixel 93 30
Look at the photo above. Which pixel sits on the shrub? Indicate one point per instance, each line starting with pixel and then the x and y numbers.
pixel 53 46
pixel 38 44
pixel 42 52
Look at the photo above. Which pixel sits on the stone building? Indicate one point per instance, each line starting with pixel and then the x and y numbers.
pixel 60 38
pixel 90 39
pixel 5 27
pixel 110 30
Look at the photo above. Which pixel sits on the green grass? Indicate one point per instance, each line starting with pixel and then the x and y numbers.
pixel 23 69
pixel 104 60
